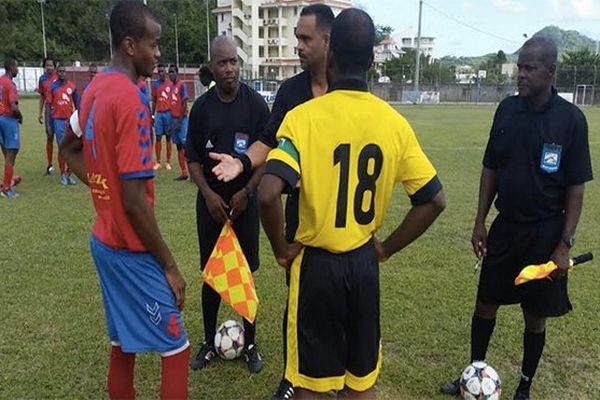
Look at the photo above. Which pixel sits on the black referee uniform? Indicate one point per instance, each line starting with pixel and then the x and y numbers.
pixel 536 156
pixel 229 128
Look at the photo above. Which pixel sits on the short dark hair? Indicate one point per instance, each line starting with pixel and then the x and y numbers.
pixel 352 40
pixel 174 68
pixel 9 62
pixel 546 46
pixel 128 18
pixel 46 59
pixel 160 65
pixel 93 65
pixel 323 15
pixel 205 72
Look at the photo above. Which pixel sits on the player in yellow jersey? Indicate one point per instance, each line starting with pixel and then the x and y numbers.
pixel 345 150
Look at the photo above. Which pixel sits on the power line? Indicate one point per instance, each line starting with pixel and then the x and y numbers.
pixel 468 25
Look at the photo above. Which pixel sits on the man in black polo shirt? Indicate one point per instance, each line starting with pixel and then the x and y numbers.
pixel 228 120
pixel 535 165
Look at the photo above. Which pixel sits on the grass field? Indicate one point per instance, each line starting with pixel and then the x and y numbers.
pixel 53 340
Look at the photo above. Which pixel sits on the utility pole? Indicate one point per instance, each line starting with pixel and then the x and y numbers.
pixel 418 63
pixel 176 42
pixel 207 34
pixel 43 26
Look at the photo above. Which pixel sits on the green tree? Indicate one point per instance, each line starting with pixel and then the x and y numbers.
pixel 381 31
pixel 578 67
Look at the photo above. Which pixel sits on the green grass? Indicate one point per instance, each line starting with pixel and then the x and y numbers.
pixel 53 340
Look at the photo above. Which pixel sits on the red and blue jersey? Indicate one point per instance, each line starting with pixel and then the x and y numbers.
pixel 8 95
pixel 44 84
pixel 161 95
pixel 63 99
pixel 179 94
pixel 141 84
pixel 117 146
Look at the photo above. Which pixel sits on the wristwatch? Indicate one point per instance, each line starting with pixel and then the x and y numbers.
pixel 569 241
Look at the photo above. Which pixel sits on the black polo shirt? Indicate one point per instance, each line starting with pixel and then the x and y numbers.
pixel 230 128
pixel 293 92
pixel 536 156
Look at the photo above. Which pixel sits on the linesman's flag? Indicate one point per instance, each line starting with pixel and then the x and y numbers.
pixel 542 271
pixel 228 273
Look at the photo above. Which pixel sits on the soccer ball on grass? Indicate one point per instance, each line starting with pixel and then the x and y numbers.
pixel 480 381
pixel 229 340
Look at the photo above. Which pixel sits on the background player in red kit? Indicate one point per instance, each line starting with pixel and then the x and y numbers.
pixel 47 79
pixel 142 288
pixel 10 118
pixel 179 119
pixel 161 109
pixel 63 99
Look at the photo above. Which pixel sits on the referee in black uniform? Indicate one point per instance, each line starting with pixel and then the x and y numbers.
pixel 535 165
pixel 228 120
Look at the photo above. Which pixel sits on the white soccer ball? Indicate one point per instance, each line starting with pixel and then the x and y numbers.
pixel 229 340
pixel 480 381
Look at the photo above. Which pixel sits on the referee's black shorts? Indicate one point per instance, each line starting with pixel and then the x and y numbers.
pixel 512 246
pixel 246 227
pixel 333 334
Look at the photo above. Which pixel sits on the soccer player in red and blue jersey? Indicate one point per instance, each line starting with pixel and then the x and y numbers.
pixel 45 81
pixel 10 118
pixel 142 288
pixel 63 99
pixel 143 86
pixel 93 70
pixel 161 109
pixel 179 119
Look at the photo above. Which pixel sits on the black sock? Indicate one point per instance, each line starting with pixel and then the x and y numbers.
pixel 249 333
pixel 481 332
pixel 533 346
pixel 210 309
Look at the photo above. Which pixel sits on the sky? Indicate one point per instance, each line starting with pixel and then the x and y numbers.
pixel 479 27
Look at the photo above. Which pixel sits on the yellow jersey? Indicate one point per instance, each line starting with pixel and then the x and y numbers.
pixel 347 149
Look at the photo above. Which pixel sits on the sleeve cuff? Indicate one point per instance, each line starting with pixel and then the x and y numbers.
pixel 427 192
pixel 145 174
pixel 285 172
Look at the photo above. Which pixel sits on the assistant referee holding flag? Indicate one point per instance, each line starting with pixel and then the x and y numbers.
pixel 347 149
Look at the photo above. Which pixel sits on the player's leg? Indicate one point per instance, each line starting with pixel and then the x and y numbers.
pixel 59 130
pixel 174 375
pixel 10 143
pixel 169 152
pixel 363 328
pixel 159 131
pixel 121 374
pixel 179 138
pixel 347 393
pixel 534 339
pixel 49 128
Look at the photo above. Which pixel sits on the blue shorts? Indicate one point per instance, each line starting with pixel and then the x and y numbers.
pixel 9 133
pixel 59 128
pixel 162 123
pixel 179 136
pixel 140 309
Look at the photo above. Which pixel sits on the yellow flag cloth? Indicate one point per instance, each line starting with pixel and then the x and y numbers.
pixel 228 273
pixel 532 272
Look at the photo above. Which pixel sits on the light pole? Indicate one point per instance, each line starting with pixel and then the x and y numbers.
pixel 207 34
pixel 42 2
pixel 176 42
pixel 107 15
pixel 418 62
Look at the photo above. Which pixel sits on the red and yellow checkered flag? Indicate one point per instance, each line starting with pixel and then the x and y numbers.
pixel 228 273
pixel 543 271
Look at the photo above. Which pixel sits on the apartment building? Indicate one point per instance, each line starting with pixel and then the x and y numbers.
pixel 264 33
pixel 427 44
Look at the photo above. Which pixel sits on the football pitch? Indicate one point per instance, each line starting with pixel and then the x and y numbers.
pixel 53 341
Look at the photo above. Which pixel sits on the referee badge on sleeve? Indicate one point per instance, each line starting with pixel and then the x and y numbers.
pixel 550 160
pixel 240 143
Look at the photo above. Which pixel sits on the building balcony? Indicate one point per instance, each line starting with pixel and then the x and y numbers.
pixel 274 22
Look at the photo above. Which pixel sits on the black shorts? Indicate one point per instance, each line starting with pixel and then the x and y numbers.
pixel 246 227
pixel 333 334
pixel 512 246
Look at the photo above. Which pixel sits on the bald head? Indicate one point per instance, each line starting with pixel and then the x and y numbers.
pixel 221 44
pixel 543 48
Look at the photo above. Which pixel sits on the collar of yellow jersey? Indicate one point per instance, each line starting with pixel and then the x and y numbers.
pixel 350 84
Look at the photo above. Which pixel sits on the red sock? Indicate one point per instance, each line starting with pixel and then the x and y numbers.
pixel 61 163
pixel 174 376
pixel 120 375
pixel 49 150
pixel 158 149
pixel 182 164
pixel 169 150
pixel 8 174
